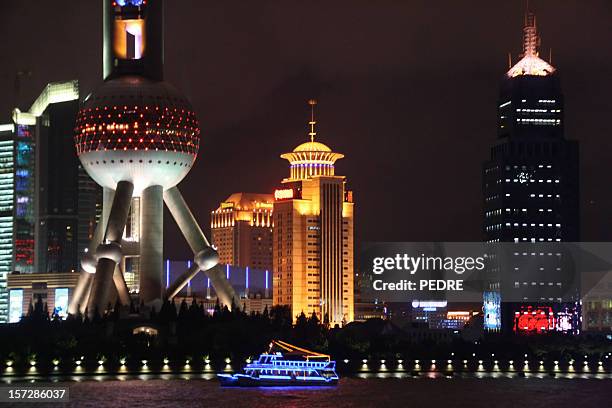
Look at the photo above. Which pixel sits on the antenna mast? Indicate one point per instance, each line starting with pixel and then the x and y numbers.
pixel 312 123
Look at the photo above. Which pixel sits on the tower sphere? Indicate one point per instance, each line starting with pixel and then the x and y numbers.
pixel 137 130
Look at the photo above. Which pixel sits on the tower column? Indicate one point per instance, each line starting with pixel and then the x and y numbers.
pixel 80 292
pixel 205 257
pixel 109 251
pixel 151 244
pixel 80 296
pixel 180 282
pixel 122 290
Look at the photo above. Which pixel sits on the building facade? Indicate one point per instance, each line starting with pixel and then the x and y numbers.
pixel 7 206
pixel 313 236
pixel 47 202
pixel 53 289
pixel 597 304
pixel 530 182
pixel 241 230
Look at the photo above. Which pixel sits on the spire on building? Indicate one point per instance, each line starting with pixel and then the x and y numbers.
pixel 530 63
pixel 312 123
pixel 311 158
pixel 530 34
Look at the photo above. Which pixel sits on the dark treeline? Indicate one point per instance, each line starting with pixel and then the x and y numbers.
pixel 187 332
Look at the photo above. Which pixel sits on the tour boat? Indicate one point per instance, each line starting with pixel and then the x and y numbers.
pixel 294 366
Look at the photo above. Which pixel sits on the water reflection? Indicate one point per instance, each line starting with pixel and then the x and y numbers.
pixel 362 375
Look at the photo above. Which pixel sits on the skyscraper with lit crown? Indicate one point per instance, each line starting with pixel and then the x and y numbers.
pixel 313 235
pixel 530 182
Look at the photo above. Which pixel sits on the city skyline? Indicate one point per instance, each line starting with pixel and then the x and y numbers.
pixel 395 200
pixel 358 99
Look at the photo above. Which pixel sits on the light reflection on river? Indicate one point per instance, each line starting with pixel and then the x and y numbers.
pixel 193 391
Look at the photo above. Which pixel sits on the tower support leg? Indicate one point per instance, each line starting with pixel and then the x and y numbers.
pixel 80 292
pixel 109 252
pixel 80 295
pixel 85 300
pixel 122 290
pixel 205 257
pixel 151 244
pixel 180 282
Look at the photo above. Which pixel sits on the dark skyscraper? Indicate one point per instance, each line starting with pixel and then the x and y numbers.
pixel 66 195
pixel 531 179
pixel 57 190
pixel 531 192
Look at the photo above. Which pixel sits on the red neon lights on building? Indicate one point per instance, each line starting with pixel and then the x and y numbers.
pixel 534 319
pixel 137 128
pixel 24 251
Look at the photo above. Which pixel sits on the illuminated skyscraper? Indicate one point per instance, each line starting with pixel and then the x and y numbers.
pixel 47 196
pixel 241 230
pixel 530 182
pixel 313 235
pixel 24 210
pixel 7 205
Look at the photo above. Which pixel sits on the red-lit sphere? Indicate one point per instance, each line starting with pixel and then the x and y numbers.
pixel 137 130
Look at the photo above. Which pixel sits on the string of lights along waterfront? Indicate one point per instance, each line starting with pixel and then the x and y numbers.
pixel 478 365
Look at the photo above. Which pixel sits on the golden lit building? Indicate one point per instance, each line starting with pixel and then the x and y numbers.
pixel 242 230
pixel 313 235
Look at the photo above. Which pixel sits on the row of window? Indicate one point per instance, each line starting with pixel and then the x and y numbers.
pixel 533 224
pixel 514 211
pixel 538 121
pixel 538 240
pixel 518 284
pixel 539 110
pixel 525 180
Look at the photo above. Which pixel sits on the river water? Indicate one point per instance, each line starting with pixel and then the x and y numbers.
pixel 191 391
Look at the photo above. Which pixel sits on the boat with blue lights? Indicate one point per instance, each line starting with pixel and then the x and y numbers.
pixel 288 366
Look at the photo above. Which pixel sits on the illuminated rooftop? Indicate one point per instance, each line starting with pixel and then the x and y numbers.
pixel 247 201
pixel 312 147
pixel 254 208
pixel 54 92
pixel 311 158
pixel 530 63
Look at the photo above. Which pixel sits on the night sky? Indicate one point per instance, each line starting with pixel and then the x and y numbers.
pixel 407 90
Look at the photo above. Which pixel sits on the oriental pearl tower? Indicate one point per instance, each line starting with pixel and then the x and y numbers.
pixel 137 136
